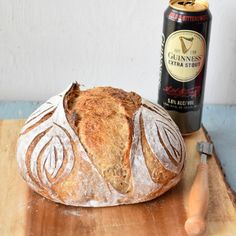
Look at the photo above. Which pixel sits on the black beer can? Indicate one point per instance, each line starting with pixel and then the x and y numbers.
pixel 185 42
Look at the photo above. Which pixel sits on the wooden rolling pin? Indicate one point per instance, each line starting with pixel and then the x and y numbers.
pixel 199 194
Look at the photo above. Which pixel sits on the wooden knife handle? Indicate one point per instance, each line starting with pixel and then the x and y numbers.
pixel 198 202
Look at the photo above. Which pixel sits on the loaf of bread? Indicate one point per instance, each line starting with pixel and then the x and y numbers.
pixel 100 147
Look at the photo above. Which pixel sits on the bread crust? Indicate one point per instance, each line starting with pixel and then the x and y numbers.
pixel 100 147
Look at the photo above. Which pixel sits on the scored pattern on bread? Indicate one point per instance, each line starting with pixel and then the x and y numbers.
pixel 100 147
pixel 162 145
pixel 162 136
pixel 46 155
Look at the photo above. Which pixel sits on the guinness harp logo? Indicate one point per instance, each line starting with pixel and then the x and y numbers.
pixel 186 43
pixel 184 55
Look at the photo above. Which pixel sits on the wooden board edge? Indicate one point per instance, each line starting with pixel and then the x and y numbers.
pixel 230 191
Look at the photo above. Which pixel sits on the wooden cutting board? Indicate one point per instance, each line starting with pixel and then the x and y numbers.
pixel 23 212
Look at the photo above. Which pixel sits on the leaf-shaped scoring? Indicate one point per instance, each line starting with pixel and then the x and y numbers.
pixel 45 147
pixel 54 154
pixel 163 137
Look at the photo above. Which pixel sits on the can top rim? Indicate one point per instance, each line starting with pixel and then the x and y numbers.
pixel 189 5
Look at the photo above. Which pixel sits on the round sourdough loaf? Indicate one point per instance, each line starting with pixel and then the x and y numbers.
pixel 100 147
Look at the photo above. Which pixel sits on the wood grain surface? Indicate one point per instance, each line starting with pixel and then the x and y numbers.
pixel 23 212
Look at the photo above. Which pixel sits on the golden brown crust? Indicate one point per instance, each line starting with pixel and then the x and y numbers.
pixel 103 120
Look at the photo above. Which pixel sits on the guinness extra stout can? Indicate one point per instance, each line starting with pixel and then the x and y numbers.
pixel 185 41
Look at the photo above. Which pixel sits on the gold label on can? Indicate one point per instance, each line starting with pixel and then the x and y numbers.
pixel 184 55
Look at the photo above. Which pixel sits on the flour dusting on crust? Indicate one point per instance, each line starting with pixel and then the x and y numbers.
pixel 49 153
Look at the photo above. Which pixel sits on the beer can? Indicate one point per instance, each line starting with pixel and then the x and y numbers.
pixel 185 42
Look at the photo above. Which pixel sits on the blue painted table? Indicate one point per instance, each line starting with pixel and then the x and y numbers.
pixel 219 120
